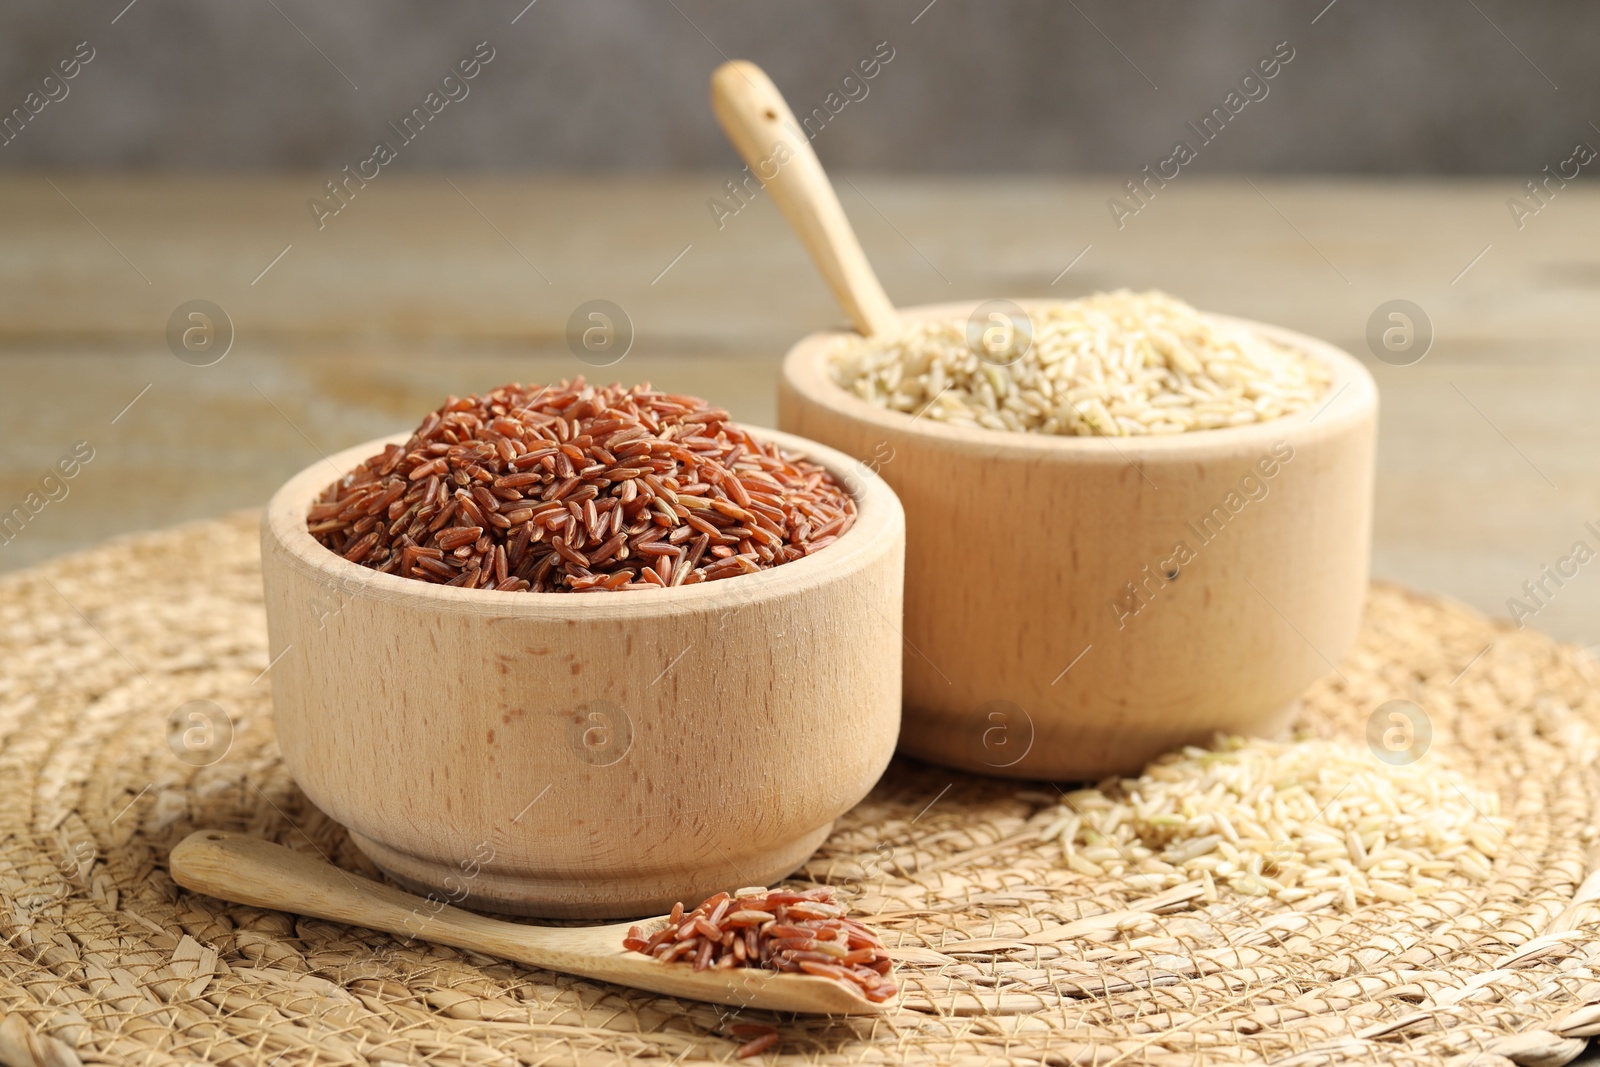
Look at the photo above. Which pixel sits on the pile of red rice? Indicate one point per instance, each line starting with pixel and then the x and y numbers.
pixel 806 933
pixel 573 488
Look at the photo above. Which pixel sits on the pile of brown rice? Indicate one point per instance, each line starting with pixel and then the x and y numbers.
pixel 1111 364
pixel 573 488
pixel 1317 822
pixel 782 930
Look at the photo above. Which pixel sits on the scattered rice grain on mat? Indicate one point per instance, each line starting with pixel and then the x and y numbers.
pixel 1290 820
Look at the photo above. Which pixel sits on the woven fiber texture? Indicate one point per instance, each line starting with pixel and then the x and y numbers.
pixel 1006 953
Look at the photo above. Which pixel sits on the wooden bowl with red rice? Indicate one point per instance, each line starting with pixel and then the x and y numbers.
pixel 594 755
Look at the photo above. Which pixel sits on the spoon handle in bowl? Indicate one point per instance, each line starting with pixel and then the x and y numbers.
pixel 764 131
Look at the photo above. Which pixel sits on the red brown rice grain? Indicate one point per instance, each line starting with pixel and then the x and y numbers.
pixel 797 933
pixel 763 1038
pixel 574 488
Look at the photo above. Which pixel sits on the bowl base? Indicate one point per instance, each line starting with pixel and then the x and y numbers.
pixel 606 897
pixel 1073 752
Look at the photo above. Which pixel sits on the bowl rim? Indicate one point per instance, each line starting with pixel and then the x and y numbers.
pixel 878 530
pixel 1351 399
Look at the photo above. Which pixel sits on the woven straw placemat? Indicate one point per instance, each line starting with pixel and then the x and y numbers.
pixel 1006 955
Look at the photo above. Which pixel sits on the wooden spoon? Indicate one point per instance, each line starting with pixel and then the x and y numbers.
pixel 249 870
pixel 766 135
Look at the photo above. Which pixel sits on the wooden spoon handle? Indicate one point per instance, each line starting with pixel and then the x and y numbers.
pixel 249 870
pixel 765 133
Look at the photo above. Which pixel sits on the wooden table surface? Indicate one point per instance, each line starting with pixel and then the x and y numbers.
pixel 426 285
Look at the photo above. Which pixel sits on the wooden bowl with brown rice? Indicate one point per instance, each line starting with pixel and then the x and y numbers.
pixel 1078 604
pixel 587 755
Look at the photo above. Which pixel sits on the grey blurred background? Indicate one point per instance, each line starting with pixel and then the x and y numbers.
pixel 1452 86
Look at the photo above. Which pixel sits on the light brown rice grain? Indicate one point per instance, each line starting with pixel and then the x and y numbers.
pixel 1110 364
